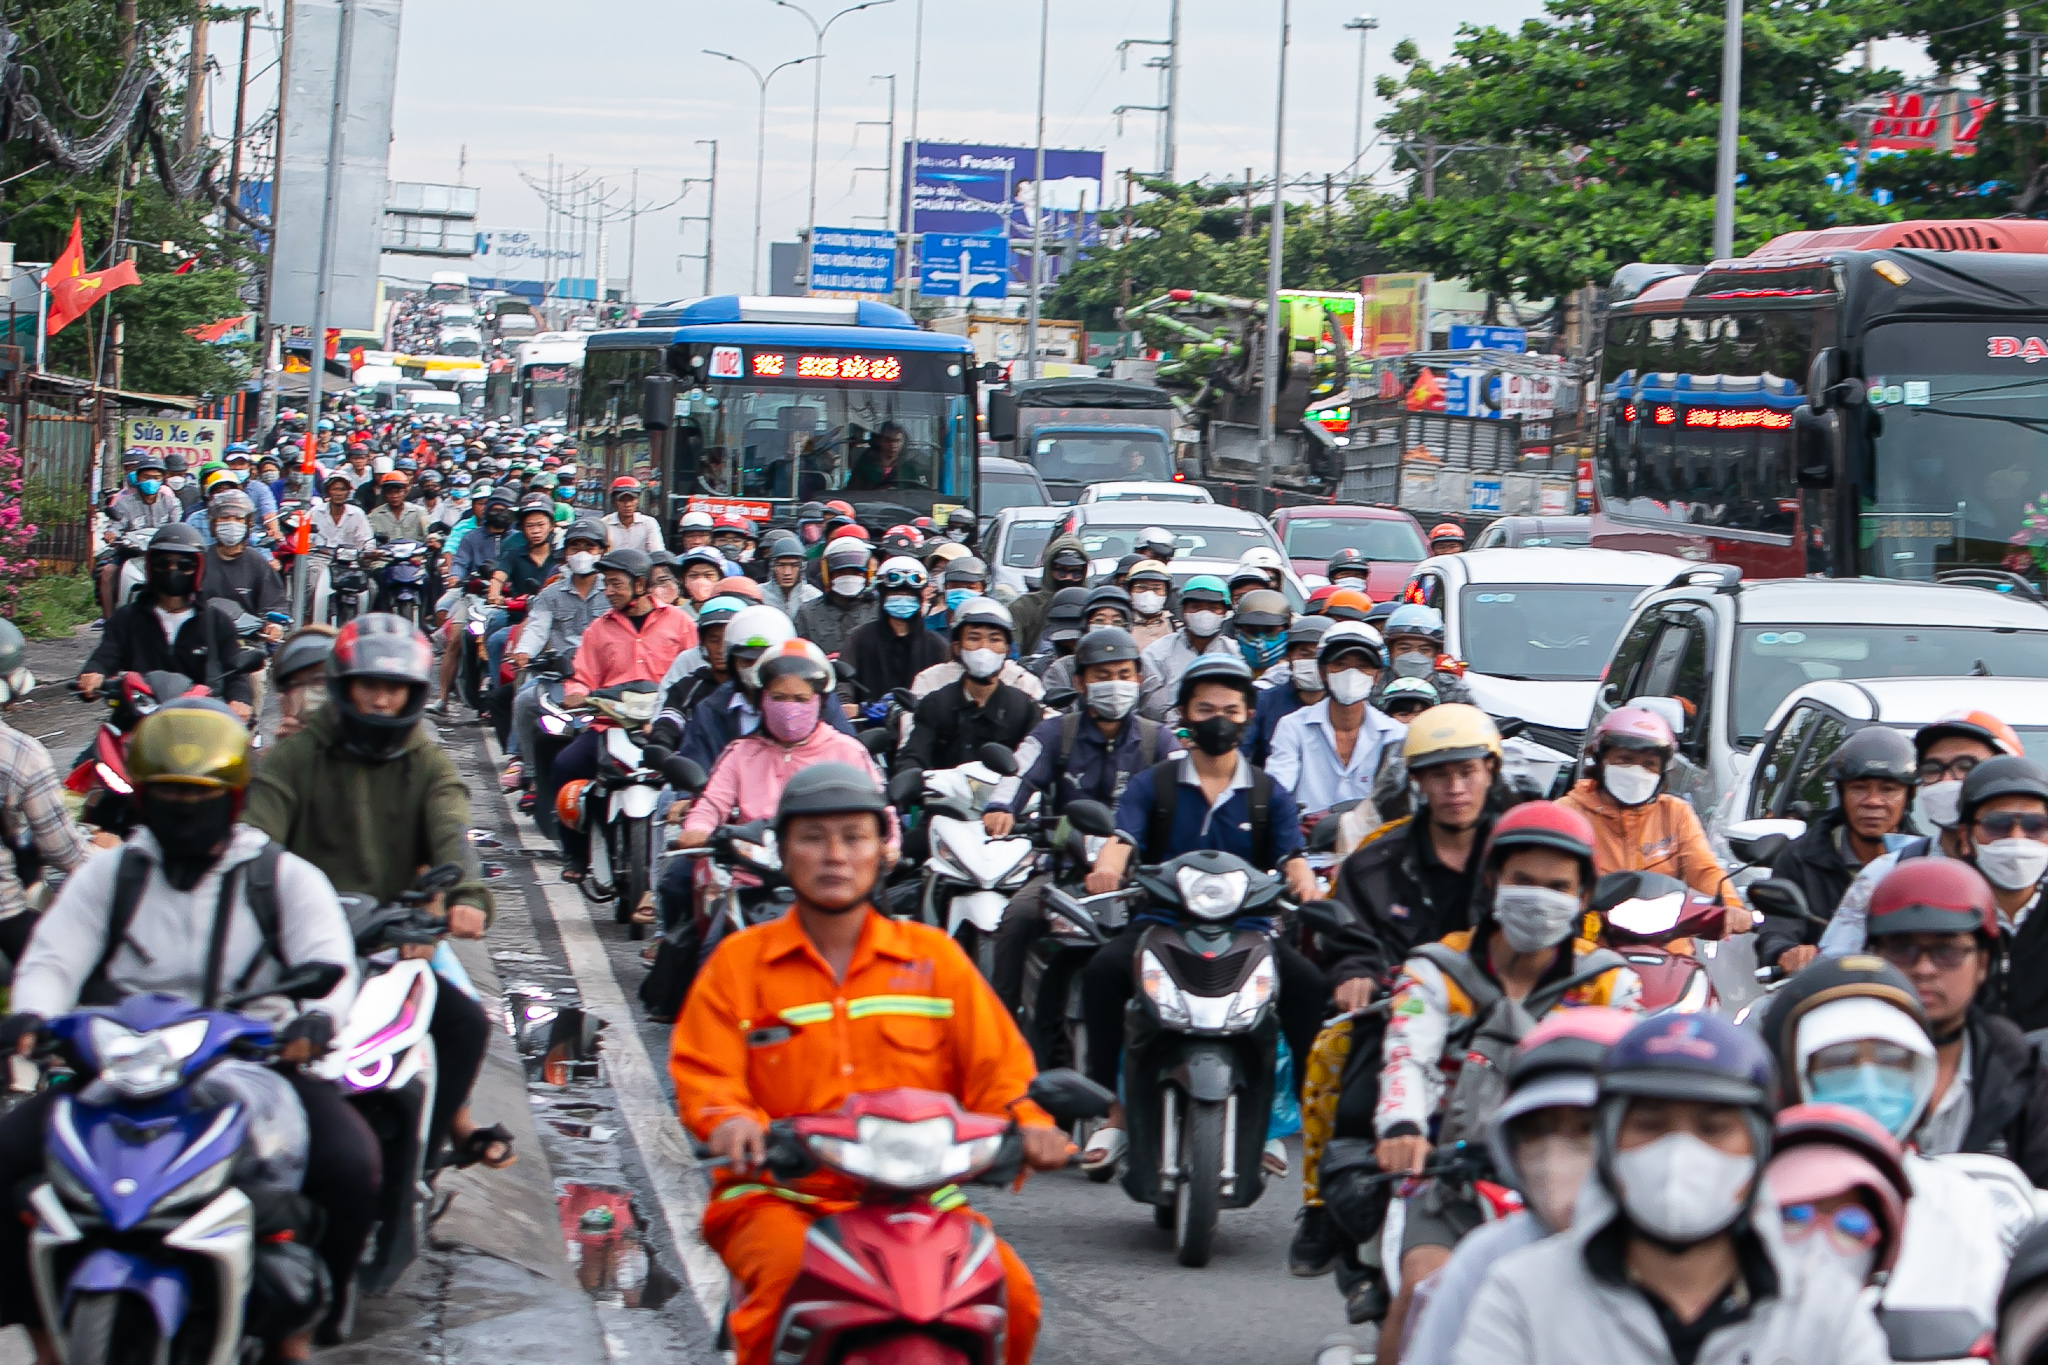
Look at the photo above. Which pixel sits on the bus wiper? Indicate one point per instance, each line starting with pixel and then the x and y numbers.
pixel 2030 423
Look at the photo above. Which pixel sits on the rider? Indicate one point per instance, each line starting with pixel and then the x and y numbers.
pixel 1064 564
pixel 555 621
pixel 1062 630
pixel 143 505
pixel 628 529
pixel 526 562
pixel 169 627
pixel 1415 644
pixel 830 621
pixel 978 707
pixel 891 650
pixel 337 522
pixel 32 813
pixel 1840 1182
pixel 1150 585
pixel 1204 604
pixel 394 518
pixel 1873 774
pixel 1446 538
pixel 228 570
pixel 1348 568
pixel 2004 828
pixel 902 1006
pixel 733 707
pixel 298 672
pixel 785 587
pixel 1303 686
pixel 1328 753
pixel 151 919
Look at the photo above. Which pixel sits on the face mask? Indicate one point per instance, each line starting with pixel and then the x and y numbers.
pixel 1552 1169
pixel 900 607
pixel 1630 786
pixel 1308 675
pixel 1350 685
pixel 1112 700
pixel 148 487
pixel 1217 735
pixel 1260 654
pixel 175 482
pixel 811 533
pixel 2012 864
pixel 1856 1262
pixel 582 562
pixel 1532 918
pixel 240 475
pixel 981 664
pixel 1148 603
pixel 1682 1189
pixel 790 721
pixel 1940 804
pixel 494 521
pixel 1414 665
pixel 849 584
pixel 188 832
pixel 229 532
pixel 168 581
pixel 955 596
pixel 1203 624
pixel 1883 1092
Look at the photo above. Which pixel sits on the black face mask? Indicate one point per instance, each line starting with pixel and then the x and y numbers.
pixel 1066 578
pixel 496 522
pixel 1216 735
pixel 172 579
pixel 191 834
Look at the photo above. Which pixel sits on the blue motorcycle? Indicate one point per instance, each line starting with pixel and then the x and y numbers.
pixel 402 581
pixel 170 1229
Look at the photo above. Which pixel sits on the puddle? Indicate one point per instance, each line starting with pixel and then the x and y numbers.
pixel 484 838
pixel 601 1231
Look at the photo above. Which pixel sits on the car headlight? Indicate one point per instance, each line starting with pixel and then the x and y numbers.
pixel 1160 989
pixel 1253 995
pixel 1212 895
pixel 199 1188
pixel 905 1156
pixel 142 1066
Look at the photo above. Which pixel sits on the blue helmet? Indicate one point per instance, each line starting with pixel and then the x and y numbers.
pixel 1700 1057
pixel 1412 618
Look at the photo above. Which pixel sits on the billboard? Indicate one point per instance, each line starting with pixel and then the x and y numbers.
pixel 197 440
pixel 852 262
pixel 1396 317
pixel 969 266
pixel 972 189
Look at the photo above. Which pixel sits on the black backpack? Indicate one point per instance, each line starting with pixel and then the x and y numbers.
pixel 1070 731
pixel 132 875
pixel 1166 796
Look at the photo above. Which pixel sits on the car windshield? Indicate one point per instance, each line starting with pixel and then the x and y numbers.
pixel 1770 661
pixel 1196 542
pixel 1024 546
pixel 1007 490
pixel 1150 495
pixel 1543 632
pixel 1093 456
pixel 458 346
pixel 1373 537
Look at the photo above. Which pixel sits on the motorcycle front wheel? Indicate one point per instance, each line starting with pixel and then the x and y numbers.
pixel 101 1334
pixel 1195 1197
pixel 632 876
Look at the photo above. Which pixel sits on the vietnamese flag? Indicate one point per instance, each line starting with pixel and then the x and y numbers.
pixel 72 290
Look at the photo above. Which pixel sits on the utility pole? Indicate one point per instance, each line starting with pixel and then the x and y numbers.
pixel 1269 396
pixel 710 183
pixel 241 104
pixel 190 136
pixel 1429 166
pixel 632 233
pixel 1032 367
pixel 1169 66
pixel 1731 113
pixel 910 162
pixel 1364 24
pixel 888 166
pixel 760 139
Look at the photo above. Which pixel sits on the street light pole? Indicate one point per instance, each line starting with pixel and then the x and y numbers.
pixel 910 161
pixel 1269 392
pixel 1037 200
pixel 760 140
pixel 1364 24
pixel 1731 113
pixel 819 31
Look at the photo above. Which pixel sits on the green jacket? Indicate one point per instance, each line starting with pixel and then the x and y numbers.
pixel 371 827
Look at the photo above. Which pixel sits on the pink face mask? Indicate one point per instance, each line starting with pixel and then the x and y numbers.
pixel 790 721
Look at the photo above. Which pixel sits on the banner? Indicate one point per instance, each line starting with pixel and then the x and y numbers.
pixel 197 440
pixel 855 263
pixel 957 266
pixel 1396 315
pixel 977 190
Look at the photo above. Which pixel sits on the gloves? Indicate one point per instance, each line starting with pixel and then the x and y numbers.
pixel 877 711
pixel 16 1027
pixel 313 1028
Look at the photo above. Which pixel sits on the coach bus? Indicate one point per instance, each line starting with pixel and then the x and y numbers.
pixel 1862 401
pixel 760 404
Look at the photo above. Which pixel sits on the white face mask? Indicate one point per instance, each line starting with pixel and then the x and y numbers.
pixel 175 481
pixel 1112 700
pixel 1533 918
pixel 1940 803
pixel 1308 675
pixel 1350 685
pixel 1856 1262
pixel 2012 864
pixel 1552 1169
pixel 582 562
pixel 1203 624
pixel 1681 1188
pixel 1630 786
pixel 1148 603
pixel 981 664
pixel 229 532
pixel 849 584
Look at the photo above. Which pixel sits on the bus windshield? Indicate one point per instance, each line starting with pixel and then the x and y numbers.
pixel 1085 456
pixel 1959 432
pixel 547 391
pixel 793 441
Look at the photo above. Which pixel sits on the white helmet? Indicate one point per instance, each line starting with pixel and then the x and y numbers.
pixel 1259 557
pixel 696 521
pixel 901 571
pixel 757 627
pixel 381 465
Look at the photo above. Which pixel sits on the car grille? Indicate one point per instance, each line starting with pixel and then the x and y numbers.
pixel 1206 975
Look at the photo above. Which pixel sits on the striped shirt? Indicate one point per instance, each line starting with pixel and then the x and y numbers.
pixel 32 804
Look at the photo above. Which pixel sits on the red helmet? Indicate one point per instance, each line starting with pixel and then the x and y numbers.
pixel 1633 727
pixel 1933 896
pixel 910 533
pixel 1446 530
pixel 1980 725
pixel 625 484
pixel 728 522
pixel 1542 824
pixel 1315 599
pixel 856 532
pixel 736 586
pixel 844 509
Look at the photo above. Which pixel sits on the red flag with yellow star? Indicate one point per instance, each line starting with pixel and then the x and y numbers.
pixel 72 290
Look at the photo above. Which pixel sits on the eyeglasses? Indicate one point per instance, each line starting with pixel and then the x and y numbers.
pixel 1850 1226
pixel 1934 770
pixel 2004 824
pixel 1903 953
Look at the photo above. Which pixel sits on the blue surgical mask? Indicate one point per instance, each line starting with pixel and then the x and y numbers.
pixel 148 487
pixel 955 596
pixel 900 607
pixel 1261 653
pixel 1883 1092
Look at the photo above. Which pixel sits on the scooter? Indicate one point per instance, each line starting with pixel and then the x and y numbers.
pixel 899 1278
pixel 101 771
pixel 738 882
pixel 617 809
pixel 170 1227
pixel 969 877
pixel 401 579
pixel 347 583
pixel 131 550
pixel 1641 915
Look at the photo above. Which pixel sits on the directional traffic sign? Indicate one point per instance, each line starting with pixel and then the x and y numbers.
pixel 957 266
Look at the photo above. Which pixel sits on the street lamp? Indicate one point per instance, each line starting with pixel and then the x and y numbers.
pixel 1731 113
pixel 760 139
pixel 818 84
pixel 1269 394
pixel 1364 24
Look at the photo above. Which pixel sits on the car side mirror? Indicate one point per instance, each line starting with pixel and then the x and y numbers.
pixel 1067 1095
pixel 658 401
pixel 1002 416
pixel 1091 817
pixel 997 759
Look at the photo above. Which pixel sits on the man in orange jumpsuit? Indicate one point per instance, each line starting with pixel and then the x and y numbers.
pixel 833 1000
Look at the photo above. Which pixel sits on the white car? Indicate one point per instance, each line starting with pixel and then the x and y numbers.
pixel 1014 543
pixel 1208 539
pixel 1143 491
pixel 1535 626
pixel 462 341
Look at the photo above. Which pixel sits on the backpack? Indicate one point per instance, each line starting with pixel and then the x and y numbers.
pixel 1166 796
pixel 260 873
pixel 1489 1037
pixel 1070 731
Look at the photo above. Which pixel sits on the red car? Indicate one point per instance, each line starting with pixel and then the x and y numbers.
pixel 1387 536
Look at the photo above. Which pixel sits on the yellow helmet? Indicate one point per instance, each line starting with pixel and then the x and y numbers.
pixel 1449 734
pixel 195 745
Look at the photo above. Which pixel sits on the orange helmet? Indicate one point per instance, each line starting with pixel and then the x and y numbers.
pixel 1979 725
pixel 1347 604
pixel 569 802
pixel 1447 530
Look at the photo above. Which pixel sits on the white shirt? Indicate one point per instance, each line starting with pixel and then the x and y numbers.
pixel 173 622
pixel 1304 755
pixel 643 534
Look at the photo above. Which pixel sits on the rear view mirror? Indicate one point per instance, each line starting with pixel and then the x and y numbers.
pixel 1091 817
pixel 1781 898
pixel 1059 699
pixel 684 774
pixel 250 661
pixel 1816 438
pixel 876 741
pixel 905 787
pixel 446 877
pixel 308 982
pixel 658 401
pixel 1931 1333
pixel 997 759
pixel 1002 416
pixel 1069 1096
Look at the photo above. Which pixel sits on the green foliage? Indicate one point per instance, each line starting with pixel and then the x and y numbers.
pixel 54 605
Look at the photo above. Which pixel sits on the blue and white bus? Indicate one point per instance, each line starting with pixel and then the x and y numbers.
pixel 781 401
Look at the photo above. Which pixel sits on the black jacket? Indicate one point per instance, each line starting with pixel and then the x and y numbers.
pixel 2008 1095
pixel 883 660
pixel 1405 896
pixel 950 729
pixel 2026 974
pixel 206 647
pixel 1813 863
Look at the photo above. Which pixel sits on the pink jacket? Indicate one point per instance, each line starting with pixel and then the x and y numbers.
pixel 750 775
pixel 613 652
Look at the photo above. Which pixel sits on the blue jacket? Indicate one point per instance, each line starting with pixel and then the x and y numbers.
pixel 1275 704
pixel 478 554
pixel 1228 827
pixel 1096 770
pixel 713 726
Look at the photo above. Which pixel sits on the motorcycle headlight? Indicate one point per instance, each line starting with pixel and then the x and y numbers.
pixel 1253 995
pixel 1212 895
pixel 554 725
pixel 1160 989
pixel 905 1156
pixel 197 1190
pixel 1019 874
pixel 142 1066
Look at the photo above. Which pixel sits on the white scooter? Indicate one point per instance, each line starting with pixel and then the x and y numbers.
pixel 969 877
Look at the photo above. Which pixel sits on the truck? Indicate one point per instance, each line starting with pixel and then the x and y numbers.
pixel 1075 432
pixel 1003 340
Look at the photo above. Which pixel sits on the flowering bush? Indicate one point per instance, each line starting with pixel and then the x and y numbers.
pixel 16 531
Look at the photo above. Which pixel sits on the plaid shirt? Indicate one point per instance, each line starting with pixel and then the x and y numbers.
pixel 31 800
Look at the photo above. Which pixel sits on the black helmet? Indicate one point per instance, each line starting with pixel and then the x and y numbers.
pixel 1217 668
pixel 2005 775
pixel 385 648
pixel 1307 630
pixel 305 649
pixel 1064 617
pixel 961 519
pixel 177 538
pixel 1345 558
pixel 634 564
pixel 1105 645
pixel 782 545
pixel 536 502
pixel 588 529
pixel 174 463
pixel 829 789
pixel 1107 595
pixel 1067 557
pixel 139 457
pixel 1875 751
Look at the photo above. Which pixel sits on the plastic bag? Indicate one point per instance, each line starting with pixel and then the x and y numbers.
pixel 1285 1120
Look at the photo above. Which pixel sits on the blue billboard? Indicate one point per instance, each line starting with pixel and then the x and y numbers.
pixel 853 261
pixel 972 189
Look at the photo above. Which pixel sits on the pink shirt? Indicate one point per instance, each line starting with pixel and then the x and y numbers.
pixel 750 775
pixel 613 651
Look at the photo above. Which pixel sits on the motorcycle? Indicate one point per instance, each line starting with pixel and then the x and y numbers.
pixel 347 583
pixel 129 550
pixel 1641 915
pixel 1049 1009
pixel 170 1227
pixel 101 771
pixel 738 882
pixel 466 630
pixel 968 876
pixel 402 579
pixel 617 809
pixel 898 1278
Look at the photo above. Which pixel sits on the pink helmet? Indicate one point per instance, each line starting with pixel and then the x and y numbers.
pixel 1633 727
pixel 1826 1150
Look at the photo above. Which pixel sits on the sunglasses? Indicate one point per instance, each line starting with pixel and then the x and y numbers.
pixel 1849 1226
pixel 2004 824
pixel 1902 954
pixel 1934 770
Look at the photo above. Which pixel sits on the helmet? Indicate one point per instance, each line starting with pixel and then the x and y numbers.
pixel 1933 896
pixel 842 507
pixel 784 546
pixel 1206 586
pixel 139 457
pixel 1350 637
pixel 1414 620
pixel 386 648
pixel 13 648
pixel 961 519
pixel 174 462
pixel 1150 570
pixel 905 532
pixel 1106 595
pixel 1347 604
pixel 1979 725
pixel 1450 734
pixel 844 555
pixel 589 530
pixel 1263 557
pixel 1699 1057
pixel 795 658
pixel 1823 1151
pixel 756 628
pixel 965 568
pixel 381 465
pixel 716 611
pixel 728 522
pixel 303 649
pixel 1854 1012
pixel 1104 645
pixel 701 554
pixel 1542 824
pixel 536 502
pixel 737 586
pixel 1829 980
pixel 634 564
pixel 983 611
pixel 811 511
pixel 901 572
pixel 1403 690
pixel 695 521
pixel 1228 669
pixel 569 802
pixel 829 789
pixel 625 483
pixel 944 552
pixel 1251 574
pixel 1632 727
pixel 1346 560
pixel 849 530
pixel 1875 751
pixel 1263 609
pixel 178 539
pixel 1553 1067
pixel 1067 557
pixel 192 746
pixel 393 479
pixel 1308 630
pixel 232 503
pixel 1063 616
pixel 1447 530
pixel 1157 538
pixel 2005 775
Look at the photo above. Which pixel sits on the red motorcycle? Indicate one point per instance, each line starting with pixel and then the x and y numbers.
pixel 897 1281
pixel 1649 919
pixel 101 775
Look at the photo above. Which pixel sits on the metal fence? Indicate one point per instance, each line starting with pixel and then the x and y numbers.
pixel 57 454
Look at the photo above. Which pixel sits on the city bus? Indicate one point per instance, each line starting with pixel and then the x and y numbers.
pixel 1846 402
pixel 759 404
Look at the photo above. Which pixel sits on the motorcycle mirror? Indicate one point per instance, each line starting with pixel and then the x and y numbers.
pixel 1091 817
pixel 1764 849
pixel 1929 1333
pixel 250 661
pixel 1069 1096
pixel 905 786
pixel 1511 726
pixel 685 775
pixel 1060 699
pixel 1777 897
pixel 309 982
pixel 997 759
pixel 876 741
pixel 904 701
pixel 1327 917
pixel 446 877
pixel 1323 838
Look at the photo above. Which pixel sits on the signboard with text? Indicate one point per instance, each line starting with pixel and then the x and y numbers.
pixel 963 266
pixel 1466 336
pixel 852 263
pixel 1396 315
pixel 197 440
